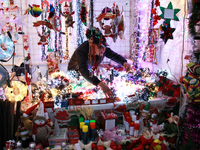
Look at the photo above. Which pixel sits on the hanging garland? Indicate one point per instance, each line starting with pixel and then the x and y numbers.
pixel 83 13
pixel 80 29
pixel 67 48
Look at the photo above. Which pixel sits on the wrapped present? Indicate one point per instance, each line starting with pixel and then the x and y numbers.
pixel 10 144
pixel 108 120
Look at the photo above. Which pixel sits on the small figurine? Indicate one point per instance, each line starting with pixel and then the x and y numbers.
pixel 43 37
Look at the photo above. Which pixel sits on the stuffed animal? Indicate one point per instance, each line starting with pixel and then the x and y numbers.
pixel 41 130
pixel 25 127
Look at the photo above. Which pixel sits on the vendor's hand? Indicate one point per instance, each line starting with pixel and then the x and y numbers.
pixel 127 66
pixel 106 90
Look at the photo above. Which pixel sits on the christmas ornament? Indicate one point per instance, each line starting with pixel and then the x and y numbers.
pixel 169 13
pixel 45 5
pixel 167 33
pixel 35 10
pixel 26 41
pixel 43 37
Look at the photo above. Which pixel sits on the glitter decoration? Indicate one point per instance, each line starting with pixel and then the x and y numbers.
pixel 80 29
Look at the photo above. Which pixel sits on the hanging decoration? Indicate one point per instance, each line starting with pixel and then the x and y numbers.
pixel 61 1
pixel 6 48
pixel 169 13
pixel 52 11
pixel 26 42
pixel 117 24
pixel 57 26
pixel 43 37
pixel 28 57
pixel 80 33
pixel 83 13
pixel 17 91
pixel 154 12
pixel 41 22
pixel 67 13
pixel 52 63
pixel 167 33
pixel 35 10
pixel 106 14
pixel 45 5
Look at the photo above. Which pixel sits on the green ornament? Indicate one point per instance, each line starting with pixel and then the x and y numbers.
pixel 169 13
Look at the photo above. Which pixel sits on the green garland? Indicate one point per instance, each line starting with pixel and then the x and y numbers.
pixel 194 18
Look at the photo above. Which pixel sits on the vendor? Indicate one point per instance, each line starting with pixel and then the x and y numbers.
pixel 90 54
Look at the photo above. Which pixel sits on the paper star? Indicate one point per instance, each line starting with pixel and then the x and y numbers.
pixel 19 20
pixel 167 33
pixel 169 13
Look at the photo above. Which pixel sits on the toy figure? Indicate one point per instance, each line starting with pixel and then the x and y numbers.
pixel 25 127
pixel 41 131
pixel 43 37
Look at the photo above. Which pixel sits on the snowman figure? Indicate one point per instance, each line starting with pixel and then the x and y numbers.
pixel 41 130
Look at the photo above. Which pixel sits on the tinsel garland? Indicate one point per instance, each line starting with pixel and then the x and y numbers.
pixel 43 58
pixel 66 34
pixel 80 29
pixel 56 36
pixel 60 52
pixel 134 36
pixel 192 122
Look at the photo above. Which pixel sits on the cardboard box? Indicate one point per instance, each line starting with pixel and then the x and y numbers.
pixel 57 140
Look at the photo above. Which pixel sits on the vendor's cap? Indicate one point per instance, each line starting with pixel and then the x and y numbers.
pixel 95 34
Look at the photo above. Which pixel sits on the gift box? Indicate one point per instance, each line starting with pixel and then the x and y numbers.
pixel 108 120
pixel 58 140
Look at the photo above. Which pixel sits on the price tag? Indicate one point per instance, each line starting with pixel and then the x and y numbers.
pixel 95 101
pixel 102 101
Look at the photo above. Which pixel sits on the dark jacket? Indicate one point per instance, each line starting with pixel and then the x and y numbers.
pixel 80 62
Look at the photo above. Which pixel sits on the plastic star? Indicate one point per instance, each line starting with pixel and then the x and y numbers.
pixel 169 13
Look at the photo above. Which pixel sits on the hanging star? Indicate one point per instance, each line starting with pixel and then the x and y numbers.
pixel 169 13
pixel 167 33
pixel 19 20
